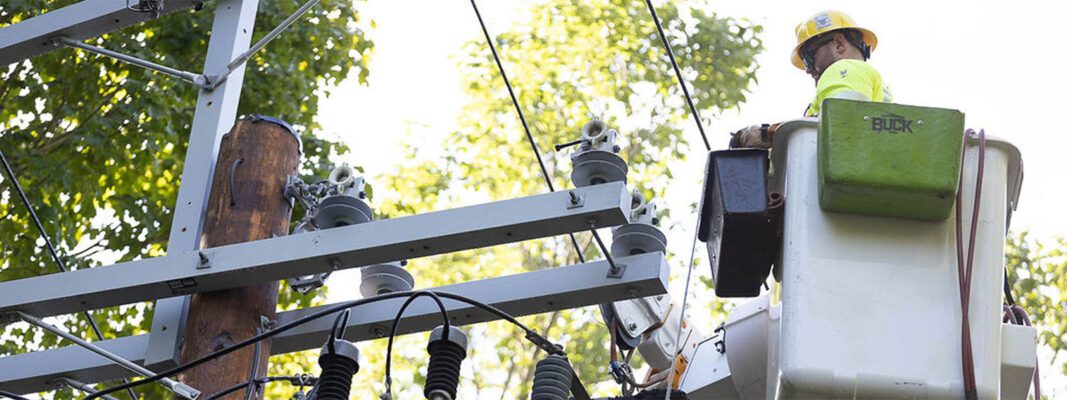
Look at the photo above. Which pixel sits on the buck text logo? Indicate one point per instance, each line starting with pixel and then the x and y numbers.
pixel 891 123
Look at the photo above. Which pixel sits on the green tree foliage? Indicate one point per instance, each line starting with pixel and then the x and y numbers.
pixel 1038 272
pixel 569 61
pixel 99 144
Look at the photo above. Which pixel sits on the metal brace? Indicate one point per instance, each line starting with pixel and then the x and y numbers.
pixel 180 389
pixel 197 79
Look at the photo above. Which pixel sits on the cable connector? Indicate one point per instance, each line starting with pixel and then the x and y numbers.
pixel 618 372
pixel 544 344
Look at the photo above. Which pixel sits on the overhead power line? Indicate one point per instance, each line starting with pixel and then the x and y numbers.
pixel 525 126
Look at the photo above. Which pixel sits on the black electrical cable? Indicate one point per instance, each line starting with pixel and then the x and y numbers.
pixel 678 73
pixel 1007 288
pixel 522 119
pixel 531 335
pixel 396 324
pixel 292 380
pixel 339 324
pixel 51 247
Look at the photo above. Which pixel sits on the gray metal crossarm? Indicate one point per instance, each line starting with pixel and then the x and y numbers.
pixel 521 294
pixel 352 246
pixel 78 21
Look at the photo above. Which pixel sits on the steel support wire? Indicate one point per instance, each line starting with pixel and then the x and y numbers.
pixel 178 388
pixel 48 243
pixel 215 80
pixel 522 119
pixel 196 79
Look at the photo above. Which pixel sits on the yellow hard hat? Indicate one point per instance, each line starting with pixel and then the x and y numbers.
pixel 823 22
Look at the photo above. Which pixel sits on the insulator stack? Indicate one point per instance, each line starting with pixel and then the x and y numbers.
pixel 338 364
pixel 552 379
pixel 446 357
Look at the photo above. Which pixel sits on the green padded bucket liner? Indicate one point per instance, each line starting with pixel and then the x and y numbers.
pixel 889 159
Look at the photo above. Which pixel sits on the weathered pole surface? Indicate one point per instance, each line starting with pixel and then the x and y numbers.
pixel 247 203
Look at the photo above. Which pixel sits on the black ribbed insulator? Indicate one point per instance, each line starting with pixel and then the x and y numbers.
pixel 442 374
pixel 552 379
pixel 335 382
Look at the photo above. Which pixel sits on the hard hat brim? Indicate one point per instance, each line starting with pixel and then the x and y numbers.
pixel 868 37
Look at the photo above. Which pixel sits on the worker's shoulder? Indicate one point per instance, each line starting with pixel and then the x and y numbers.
pixel 847 68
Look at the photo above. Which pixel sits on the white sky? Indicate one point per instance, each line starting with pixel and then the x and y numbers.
pixel 999 62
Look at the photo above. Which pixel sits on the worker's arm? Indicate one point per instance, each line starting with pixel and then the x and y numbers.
pixel 759 136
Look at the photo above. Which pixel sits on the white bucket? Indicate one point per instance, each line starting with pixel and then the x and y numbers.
pixel 871 305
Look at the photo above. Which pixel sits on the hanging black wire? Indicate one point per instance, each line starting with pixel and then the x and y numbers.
pixel 396 324
pixel 678 73
pixel 48 244
pixel 298 380
pixel 522 119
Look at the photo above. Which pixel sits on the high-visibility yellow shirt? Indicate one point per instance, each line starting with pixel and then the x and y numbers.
pixel 851 79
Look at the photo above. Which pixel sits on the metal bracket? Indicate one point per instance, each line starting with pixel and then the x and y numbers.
pixel 267 324
pixel 215 80
pixel 618 272
pixel 720 342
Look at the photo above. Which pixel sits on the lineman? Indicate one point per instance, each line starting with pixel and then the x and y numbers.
pixel 833 50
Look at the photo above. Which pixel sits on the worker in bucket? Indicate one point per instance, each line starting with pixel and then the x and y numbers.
pixel 834 51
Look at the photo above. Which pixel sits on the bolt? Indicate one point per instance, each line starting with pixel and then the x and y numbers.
pixel 574 198
pixel 335 264
pixel 631 324
pixel 379 331
pixel 203 258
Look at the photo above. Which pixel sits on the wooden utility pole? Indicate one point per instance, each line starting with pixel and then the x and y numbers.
pixel 246 204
